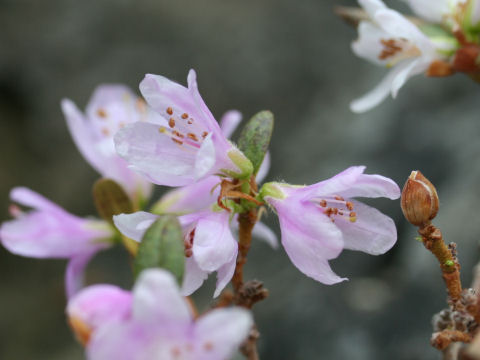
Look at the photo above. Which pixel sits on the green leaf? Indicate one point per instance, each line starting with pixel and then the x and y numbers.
pixel 255 138
pixel 162 246
pixel 110 199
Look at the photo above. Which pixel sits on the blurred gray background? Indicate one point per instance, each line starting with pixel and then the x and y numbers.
pixel 292 57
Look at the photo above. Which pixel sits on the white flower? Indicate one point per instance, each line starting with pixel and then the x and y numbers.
pixel 393 41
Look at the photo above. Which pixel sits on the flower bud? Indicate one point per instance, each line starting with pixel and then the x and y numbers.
pixel 419 199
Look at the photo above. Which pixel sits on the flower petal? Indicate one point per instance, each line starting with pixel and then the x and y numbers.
pixel 229 122
pixel 205 159
pixel 193 277
pixel 157 299
pixel 264 168
pixel 51 232
pixel 369 45
pixel 75 273
pixel 372 186
pixel 263 232
pixel 336 184
pixel 383 89
pixel 309 238
pixel 27 197
pixel 372 6
pixel 190 198
pixel 213 244
pixel 98 305
pixel 155 155
pixel 82 134
pixel 430 10
pixel 225 274
pixel 372 232
pixel 220 332
pixel 134 225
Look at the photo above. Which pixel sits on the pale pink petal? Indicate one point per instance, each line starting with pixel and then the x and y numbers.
pixel 190 198
pixel 341 182
pixel 225 274
pixel 229 122
pixel 157 299
pixel 213 244
pixel 264 233
pixel 30 198
pixel 128 341
pixel 205 159
pixel 82 134
pixel 372 186
pixel 134 225
pixel 41 234
pixel 75 273
pixel 309 238
pixel 155 155
pixel 219 333
pixel 97 305
pixel 372 232
pixel 264 168
pixel 193 277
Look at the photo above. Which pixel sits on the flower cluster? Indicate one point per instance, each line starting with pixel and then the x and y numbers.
pixel 172 139
pixel 443 37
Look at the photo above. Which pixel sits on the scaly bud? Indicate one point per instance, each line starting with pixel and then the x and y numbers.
pixel 419 199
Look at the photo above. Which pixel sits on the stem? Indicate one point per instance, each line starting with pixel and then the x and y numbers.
pixel 433 241
pixel 246 223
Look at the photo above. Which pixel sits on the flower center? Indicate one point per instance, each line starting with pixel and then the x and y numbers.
pixel 396 50
pixel 336 207
pixel 183 130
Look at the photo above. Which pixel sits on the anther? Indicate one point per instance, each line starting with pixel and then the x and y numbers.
pixel 169 111
pixel 323 203
pixel 177 141
pixel 204 134
pixel 184 116
pixel 349 205
pixel 102 113
pixel 339 198
pixel 192 136
pixel 171 122
pixel 190 121
pixel 105 131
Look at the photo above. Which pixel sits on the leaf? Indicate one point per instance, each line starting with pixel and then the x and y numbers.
pixel 162 246
pixel 255 138
pixel 110 199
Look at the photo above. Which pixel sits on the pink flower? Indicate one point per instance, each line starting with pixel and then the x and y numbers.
pixel 209 244
pixel 110 108
pixel 190 147
pixel 153 322
pixel 48 231
pixel 320 220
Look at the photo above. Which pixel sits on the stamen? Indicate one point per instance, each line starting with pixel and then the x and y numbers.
pixel 192 136
pixel 171 122
pixel 204 134
pixel 102 113
pixel 184 116
pixel 190 121
pixel 169 111
pixel 336 206
pixel 391 47
pixel 177 141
